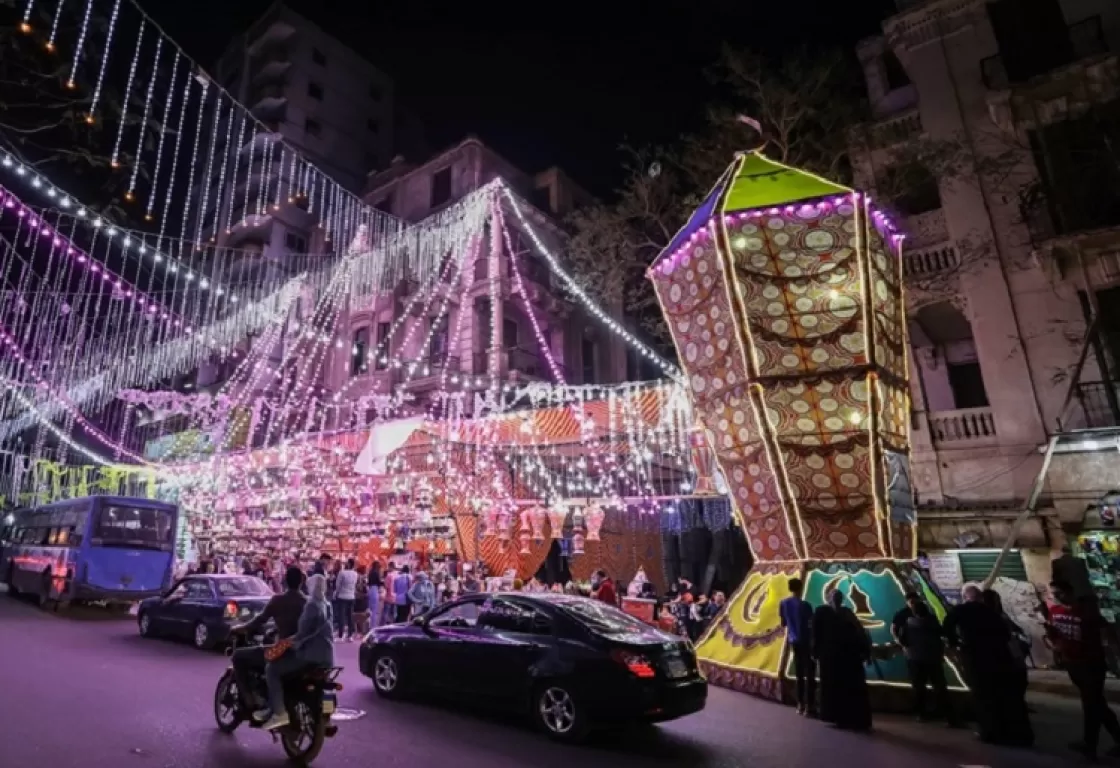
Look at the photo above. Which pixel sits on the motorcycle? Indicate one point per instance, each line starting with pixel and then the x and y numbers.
pixel 311 697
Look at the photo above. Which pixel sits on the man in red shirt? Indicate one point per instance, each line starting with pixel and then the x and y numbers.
pixel 1076 629
pixel 602 588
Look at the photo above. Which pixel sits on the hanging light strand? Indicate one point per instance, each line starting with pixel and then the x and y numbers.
pixel 81 42
pixel 104 62
pixel 114 160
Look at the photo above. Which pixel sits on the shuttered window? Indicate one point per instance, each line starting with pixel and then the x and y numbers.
pixel 975 566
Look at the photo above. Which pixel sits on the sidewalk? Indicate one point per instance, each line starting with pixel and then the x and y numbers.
pixel 1057 683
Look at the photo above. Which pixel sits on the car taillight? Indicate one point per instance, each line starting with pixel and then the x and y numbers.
pixel 231 610
pixel 638 665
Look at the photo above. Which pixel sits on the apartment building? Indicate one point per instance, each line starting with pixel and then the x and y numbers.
pixel 583 350
pixel 1003 117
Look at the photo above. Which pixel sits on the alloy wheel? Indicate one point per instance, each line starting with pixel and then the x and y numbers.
pixel 201 636
pixel 557 710
pixel 145 624
pixel 385 674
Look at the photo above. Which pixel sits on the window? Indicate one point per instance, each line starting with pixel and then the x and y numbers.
pixel 506 615
pixel 373 126
pixel 295 243
pixel 134 527
pixel 912 188
pixel 967 385
pixel 441 187
pixel 437 350
pixel 315 91
pixel 601 617
pixel 312 128
pixel 386 204
pixel 375 92
pixel 359 351
pixel 383 346
pixel 588 360
pixel 481 268
pixel 509 333
pixel 461 615
pixel 180 590
pixel 318 57
pixel 243 586
pixel 199 590
pixel 542 198
pixel 893 72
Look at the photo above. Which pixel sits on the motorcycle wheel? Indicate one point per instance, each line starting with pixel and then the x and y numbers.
pixel 227 708
pixel 303 739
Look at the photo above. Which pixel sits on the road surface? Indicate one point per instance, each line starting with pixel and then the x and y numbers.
pixel 85 691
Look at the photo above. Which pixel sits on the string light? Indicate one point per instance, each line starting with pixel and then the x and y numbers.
pixel 54 25
pixel 104 62
pixel 130 194
pixel 81 42
pixel 671 370
pixel 113 161
pixel 202 209
pixel 162 133
pixel 26 25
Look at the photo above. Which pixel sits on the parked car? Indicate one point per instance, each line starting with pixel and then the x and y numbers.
pixel 203 607
pixel 573 663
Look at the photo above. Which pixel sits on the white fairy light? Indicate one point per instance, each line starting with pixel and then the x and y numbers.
pixel 81 42
pixel 54 24
pixel 245 209
pixel 162 133
pixel 209 168
pixel 129 195
pixel 175 157
pixel 184 218
pixel 582 295
pixel 127 95
pixel 104 62
pixel 26 25
pixel 235 150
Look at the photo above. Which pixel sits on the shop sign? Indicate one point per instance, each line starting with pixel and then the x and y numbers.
pixel 945 570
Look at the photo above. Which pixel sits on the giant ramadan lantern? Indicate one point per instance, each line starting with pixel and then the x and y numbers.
pixel 783 293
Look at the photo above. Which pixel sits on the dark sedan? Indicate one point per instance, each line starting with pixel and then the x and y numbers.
pixel 202 608
pixel 571 662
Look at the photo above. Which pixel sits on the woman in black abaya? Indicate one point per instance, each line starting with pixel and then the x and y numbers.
pixel 842 647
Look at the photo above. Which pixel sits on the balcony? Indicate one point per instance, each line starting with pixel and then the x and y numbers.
pixel 930 262
pixel 963 428
pixel 275 32
pixel 1095 403
pixel 1089 208
pixel 896 130
pixel 268 100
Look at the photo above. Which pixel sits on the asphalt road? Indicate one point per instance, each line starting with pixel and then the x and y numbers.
pixel 85 691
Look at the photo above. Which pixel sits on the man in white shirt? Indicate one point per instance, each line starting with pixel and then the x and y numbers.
pixel 344 593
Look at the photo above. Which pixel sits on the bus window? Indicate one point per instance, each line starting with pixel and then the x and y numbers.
pixel 74 537
pixel 137 527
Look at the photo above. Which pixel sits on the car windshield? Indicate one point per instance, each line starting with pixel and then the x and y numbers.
pixel 243 586
pixel 137 527
pixel 601 617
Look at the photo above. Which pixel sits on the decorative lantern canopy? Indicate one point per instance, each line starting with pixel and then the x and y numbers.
pixel 783 295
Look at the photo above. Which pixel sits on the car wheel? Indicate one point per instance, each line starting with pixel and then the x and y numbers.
pixel 558 713
pixel 45 590
pixel 202 637
pixel 144 622
pixel 386 675
pixel 10 580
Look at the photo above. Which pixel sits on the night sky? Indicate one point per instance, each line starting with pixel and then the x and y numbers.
pixel 560 84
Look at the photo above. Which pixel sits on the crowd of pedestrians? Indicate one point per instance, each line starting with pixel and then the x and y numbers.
pixel 831 649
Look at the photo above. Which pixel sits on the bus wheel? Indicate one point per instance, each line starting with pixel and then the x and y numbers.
pixel 45 590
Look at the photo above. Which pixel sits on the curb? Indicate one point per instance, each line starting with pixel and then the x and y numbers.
pixel 1067 690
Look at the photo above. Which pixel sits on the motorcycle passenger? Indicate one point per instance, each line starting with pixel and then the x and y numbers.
pixel 285 610
pixel 312 646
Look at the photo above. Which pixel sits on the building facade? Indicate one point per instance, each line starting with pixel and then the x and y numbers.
pixel 456 343
pixel 993 137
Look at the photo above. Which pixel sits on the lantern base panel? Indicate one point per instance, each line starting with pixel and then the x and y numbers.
pixel 745 648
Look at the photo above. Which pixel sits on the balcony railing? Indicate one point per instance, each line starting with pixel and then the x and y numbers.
pixel 968 425
pixel 896 130
pixel 1095 403
pixel 930 261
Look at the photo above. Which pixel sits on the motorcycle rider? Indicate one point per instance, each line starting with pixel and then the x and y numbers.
pixel 312 646
pixel 283 609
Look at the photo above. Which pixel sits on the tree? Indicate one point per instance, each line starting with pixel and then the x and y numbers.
pixel 801 108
